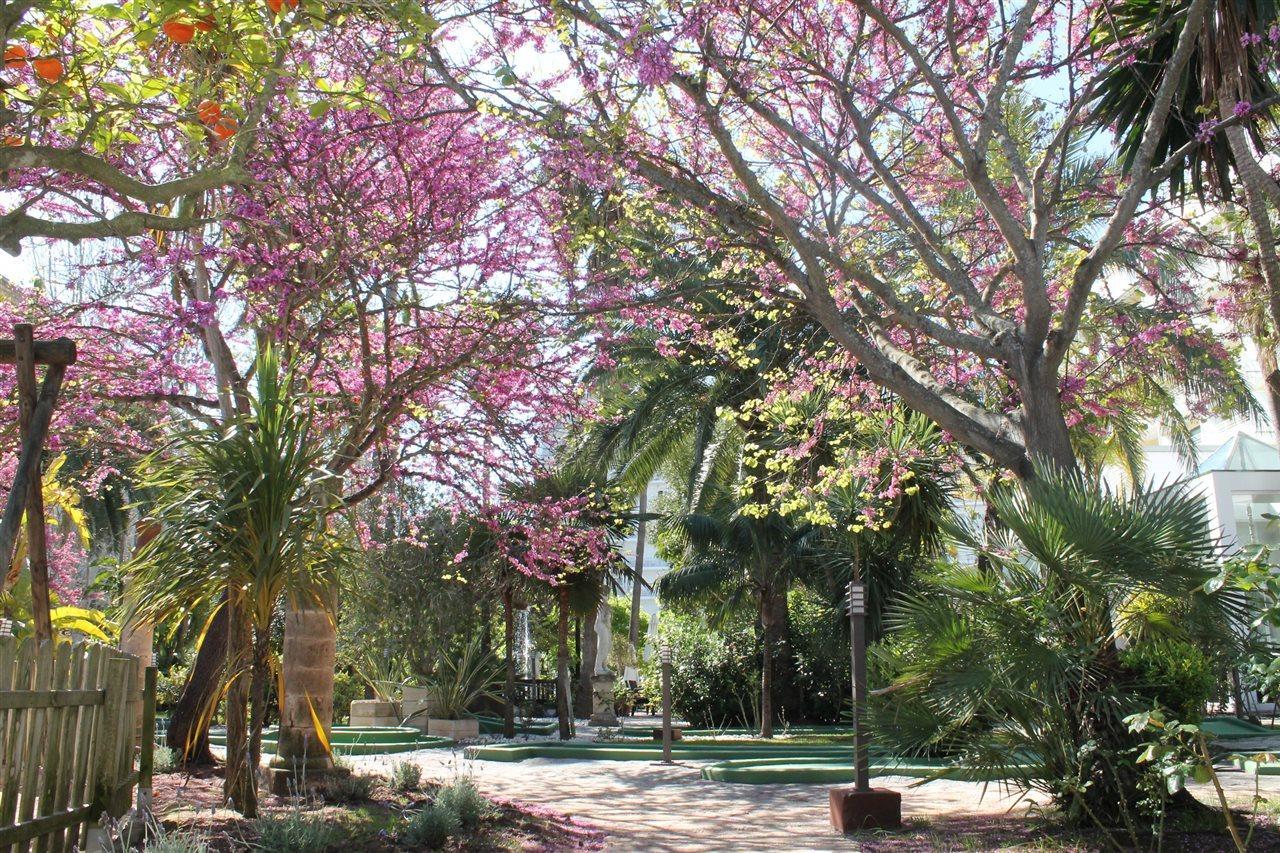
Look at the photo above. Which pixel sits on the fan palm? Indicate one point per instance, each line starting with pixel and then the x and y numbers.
pixel 243 512
pixel 1229 69
pixel 1010 666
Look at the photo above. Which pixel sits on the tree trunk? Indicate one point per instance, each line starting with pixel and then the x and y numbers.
pixel 310 657
pixel 1270 373
pixel 509 690
pixel 562 668
pixel 239 788
pixel 1045 432
pixel 776 624
pixel 586 667
pixel 258 694
pixel 766 676
pixel 188 734
pixel 637 579
pixel 1257 186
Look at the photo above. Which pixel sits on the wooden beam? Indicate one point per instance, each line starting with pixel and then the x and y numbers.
pixel 10 699
pixel 59 351
pixel 29 461
pixel 37 543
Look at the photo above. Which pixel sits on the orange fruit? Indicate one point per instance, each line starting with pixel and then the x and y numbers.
pixel 205 24
pixel 48 69
pixel 226 127
pixel 209 111
pixel 12 141
pixel 274 6
pixel 179 31
pixel 15 56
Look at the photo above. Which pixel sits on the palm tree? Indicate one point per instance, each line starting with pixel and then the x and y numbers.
pixel 1229 69
pixel 244 525
pixel 1010 666
pixel 733 558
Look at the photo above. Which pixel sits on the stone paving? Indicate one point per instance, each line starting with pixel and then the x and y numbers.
pixel 651 807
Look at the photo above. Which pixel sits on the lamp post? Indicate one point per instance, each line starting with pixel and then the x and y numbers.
pixel 862 807
pixel 664 655
pixel 858 649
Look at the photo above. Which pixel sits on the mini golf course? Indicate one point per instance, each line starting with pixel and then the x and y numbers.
pixel 748 761
pixel 493 726
pixel 743 762
pixel 374 740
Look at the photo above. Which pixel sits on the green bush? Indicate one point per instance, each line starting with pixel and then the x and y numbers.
pixel 169 685
pixel 715 675
pixel 296 833
pixel 1175 674
pixel 406 776
pixel 431 827
pixel 347 688
pixel 820 643
pixel 348 787
pixel 461 797
pixel 163 759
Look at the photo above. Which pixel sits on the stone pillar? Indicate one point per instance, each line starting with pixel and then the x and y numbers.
pixel 602 713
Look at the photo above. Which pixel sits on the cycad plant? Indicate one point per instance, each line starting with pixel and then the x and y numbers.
pixel 244 515
pixel 1012 667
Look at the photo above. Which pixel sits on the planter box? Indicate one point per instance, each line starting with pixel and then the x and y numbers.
pixel 374 712
pixel 456 729
pixel 418 703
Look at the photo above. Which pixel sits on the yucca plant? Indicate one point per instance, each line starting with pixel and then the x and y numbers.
pixel 460 681
pixel 1012 667
pixel 244 516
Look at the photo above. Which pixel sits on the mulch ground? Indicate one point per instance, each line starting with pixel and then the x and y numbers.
pixel 192 802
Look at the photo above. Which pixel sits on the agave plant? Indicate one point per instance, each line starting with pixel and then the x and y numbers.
pixel 460 681
pixel 1012 666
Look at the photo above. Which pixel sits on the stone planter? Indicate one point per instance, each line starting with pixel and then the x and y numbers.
pixel 456 729
pixel 374 712
pixel 417 699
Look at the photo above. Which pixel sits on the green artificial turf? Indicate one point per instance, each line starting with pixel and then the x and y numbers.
pixel 378 740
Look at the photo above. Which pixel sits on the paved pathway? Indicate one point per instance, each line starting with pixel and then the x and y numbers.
pixel 648 807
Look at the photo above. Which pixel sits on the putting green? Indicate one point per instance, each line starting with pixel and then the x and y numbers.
pixel 1226 728
pixel 829 771
pixel 632 750
pixel 493 726
pixel 348 740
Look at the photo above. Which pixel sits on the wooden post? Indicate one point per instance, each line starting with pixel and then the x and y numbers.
pixel 108 743
pixel 146 758
pixel 37 548
pixel 29 461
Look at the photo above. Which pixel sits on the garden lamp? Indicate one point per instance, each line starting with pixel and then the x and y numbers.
pixel 664 655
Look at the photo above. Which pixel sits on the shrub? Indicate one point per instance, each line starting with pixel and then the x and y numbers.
pixel 296 833
pixel 163 759
pixel 461 797
pixel 177 842
pixel 348 787
pixel 406 776
pixel 431 827
pixel 715 675
pixel 1175 673
pixel 347 688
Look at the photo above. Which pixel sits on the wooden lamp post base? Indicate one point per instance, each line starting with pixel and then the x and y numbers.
pixel 875 808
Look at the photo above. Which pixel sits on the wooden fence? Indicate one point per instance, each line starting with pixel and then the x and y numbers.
pixel 68 733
